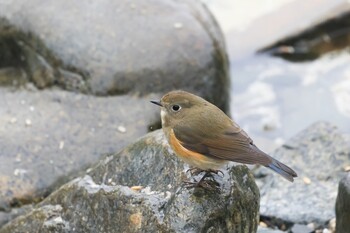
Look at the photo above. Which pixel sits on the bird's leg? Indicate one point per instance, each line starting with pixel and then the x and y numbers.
pixel 195 171
pixel 202 182
pixel 216 172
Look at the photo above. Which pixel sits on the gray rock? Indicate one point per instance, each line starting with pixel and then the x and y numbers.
pixel 342 207
pixel 300 228
pixel 108 198
pixel 318 154
pixel 268 230
pixel 105 49
pixel 46 137
pixel 116 47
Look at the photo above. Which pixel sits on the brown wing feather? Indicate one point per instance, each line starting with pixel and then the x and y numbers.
pixel 232 144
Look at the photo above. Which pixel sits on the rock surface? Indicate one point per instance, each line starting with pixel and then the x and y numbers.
pixel 342 208
pixel 115 47
pixel 117 52
pixel 319 155
pixel 49 135
pixel 109 197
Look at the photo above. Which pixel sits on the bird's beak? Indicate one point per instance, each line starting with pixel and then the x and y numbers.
pixel 157 103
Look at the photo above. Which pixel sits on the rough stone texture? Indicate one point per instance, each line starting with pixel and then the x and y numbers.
pixel 113 47
pixel 342 208
pixel 103 200
pixel 104 49
pixel 47 136
pixel 319 155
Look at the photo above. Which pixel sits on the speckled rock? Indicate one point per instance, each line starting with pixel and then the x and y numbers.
pixel 342 208
pixel 115 47
pixel 47 137
pixel 141 189
pixel 319 155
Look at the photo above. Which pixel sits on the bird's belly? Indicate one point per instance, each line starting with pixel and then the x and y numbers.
pixel 193 158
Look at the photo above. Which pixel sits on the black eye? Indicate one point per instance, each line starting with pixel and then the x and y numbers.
pixel 176 107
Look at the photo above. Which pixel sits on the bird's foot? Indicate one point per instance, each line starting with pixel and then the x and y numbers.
pixel 217 172
pixel 210 185
pixel 203 182
pixel 196 171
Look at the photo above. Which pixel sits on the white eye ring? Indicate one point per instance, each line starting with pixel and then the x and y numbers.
pixel 176 107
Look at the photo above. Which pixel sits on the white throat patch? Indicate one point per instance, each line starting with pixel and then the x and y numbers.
pixel 162 115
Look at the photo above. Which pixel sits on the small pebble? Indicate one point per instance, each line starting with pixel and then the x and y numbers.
pixel 332 225
pixel 167 195
pixel 28 122
pixel 177 25
pixel 148 191
pixel 121 129
pixel 311 225
pixel 18 158
pixel 307 180
pixel 262 224
pixel 19 171
pixel 13 120
pixel 347 168
pixel 61 145
pixel 300 228
pixel 31 108
pixel 136 188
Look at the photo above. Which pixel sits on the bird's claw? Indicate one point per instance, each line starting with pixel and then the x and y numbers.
pixel 205 184
pixel 196 171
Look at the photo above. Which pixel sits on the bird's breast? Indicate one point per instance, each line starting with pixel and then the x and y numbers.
pixel 191 157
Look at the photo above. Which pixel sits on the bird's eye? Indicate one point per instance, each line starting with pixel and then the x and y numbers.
pixel 176 107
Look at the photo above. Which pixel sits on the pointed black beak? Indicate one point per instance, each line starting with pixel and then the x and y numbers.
pixel 157 103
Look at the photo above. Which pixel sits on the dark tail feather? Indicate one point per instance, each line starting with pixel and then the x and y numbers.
pixel 282 169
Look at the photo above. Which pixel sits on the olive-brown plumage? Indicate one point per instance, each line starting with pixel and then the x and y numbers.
pixel 205 137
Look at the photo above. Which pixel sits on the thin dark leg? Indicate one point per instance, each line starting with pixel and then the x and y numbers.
pixel 203 182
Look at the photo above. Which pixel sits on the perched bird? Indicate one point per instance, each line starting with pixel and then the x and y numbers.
pixel 206 138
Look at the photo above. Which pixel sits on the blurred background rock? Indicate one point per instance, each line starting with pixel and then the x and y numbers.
pixel 289 63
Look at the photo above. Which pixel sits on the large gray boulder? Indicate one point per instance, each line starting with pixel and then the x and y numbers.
pixel 318 154
pixel 342 208
pixel 120 54
pixel 141 189
pixel 113 47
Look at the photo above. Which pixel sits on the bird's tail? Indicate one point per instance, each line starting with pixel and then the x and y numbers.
pixel 282 169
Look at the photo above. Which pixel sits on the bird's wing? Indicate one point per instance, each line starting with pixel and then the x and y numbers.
pixel 232 144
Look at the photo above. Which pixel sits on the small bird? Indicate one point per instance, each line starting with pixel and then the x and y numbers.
pixel 206 138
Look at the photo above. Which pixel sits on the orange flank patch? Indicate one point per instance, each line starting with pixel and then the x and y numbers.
pixel 193 158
